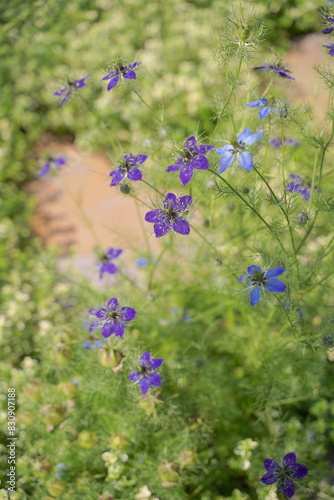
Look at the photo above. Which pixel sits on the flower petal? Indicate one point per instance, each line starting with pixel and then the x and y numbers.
pixel 128 313
pixel 226 161
pixel 290 458
pixel 288 488
pixel 201 163
pixel 135 174
pixel 109 75
pixel 117 176
pixel 156 215
pixel 186 173
pixel 245 160
pixel 154 379
pixel 134 376
pixel 107 329
pixel 243 136
pixel 181 226
pixel 250 139
pixel 190 143
pixel 298 471
pixel 113 82
pixel 269 478
pixel 130 75
pixel 145 359
pixel 44 170
pixel 255 296
pixel 274 285
pixel 263 113
pixel 112 304
pixel 118 329
pixel 183 203
pixel 109 268
pixel 225 149
pixel 162 228
pixel 61 91
pixel 271 465
pixel 175 167
pixel 272 273
pixel 144 385
pixel 112 253
pixel 169 200
pixel 65 98
pixel 156 363
pixel 253 268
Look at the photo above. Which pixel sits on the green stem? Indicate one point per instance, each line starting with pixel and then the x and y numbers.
pixel 205 240
pixel 159 120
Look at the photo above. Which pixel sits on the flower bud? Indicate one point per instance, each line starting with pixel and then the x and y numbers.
pixel 168 472
pixel 110 358
pixel 61 354
pixel 87 439
pixel 56 487
pixel 118 441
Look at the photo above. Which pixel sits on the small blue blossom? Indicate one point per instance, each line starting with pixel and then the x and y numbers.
pixel 68 89
pixel 284 475
pixel 145 374
pixel 330 46
pixel 112 319
pixel 237 150
pixel 121 71
pixel 299 185
pixel 52 162
pixel 192 158
pixel 107 266
pixel 170 217
pixel 128 168
pixel 265 108
pixel 330 20
pixel 277 143
pixel 275 68
pixel 260 281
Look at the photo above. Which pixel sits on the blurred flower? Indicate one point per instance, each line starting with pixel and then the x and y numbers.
pixel 144 494
pixel 92 343
pixel 277 143
pixel 236 150
pixel 121 71
pixel 264 280
pixel 330 46
pixel 192 157
pixel 52 162
pixel 302 218
pixel 76 84
pixel 112 318
pixel 145 375
pixel 128 169
pixel 330 20
pixel 275 68
pixel 285 474
pixel 265 107
pixel 169 217
pixel 299 185
pixel 106 265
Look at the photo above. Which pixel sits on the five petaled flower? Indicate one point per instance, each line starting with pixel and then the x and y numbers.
pixel 53 162
pixel 111 318
pixel 284 475
pixel 299 185
pixel 76 84
pixel 276 68
pixel 170 216
pixel 260 280
pixel 106 265
pixel 121 71
pixel 192 157
pixel 128 169
pixel 145 374
pixel 265 110
pixel 236 150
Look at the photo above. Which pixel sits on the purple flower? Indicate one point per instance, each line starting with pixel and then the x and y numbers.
pixel 265 108
pixel 52 162
pixel 276 68
pixel 284 475
pixel 128 169
pixel 111 318
pixel 330 20
pixel 106 265
pixel 145 374
pixel 264 280
pixel 121 71
pixel 330 46
pixel 237 150
pixel 299 185
pixel 277 143
pixel 68 89
pixel 192 157
pixel 170 216
pixel 92 343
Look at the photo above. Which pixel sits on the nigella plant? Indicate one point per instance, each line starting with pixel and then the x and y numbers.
pixel 145 374
pixel 299 185
pixel 237 150
pixel 275 68
pixel 121 71
pixel 170 216
pixel 128 168
pixel 192 157
pixel 111 318
pixel 284 475
pixel 107 266
pixel 277 143
pixel 329 29
pixel 260 281
pixel 266 108
pixel 52 162
pixel 68 89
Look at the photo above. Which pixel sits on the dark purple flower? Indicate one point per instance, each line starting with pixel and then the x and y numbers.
pixel 260 280
pixel 52 162
pixel 299 185
pixel 277 143
pixel 276 68
pixel 330 46
pixel 284 475
pixel 128 169
pixel 111 318
pixel 106 265
pixel 121 71
pixel 170 216
pixel 145 374
pixel 330 20
pixel 192 157
pixel 68 89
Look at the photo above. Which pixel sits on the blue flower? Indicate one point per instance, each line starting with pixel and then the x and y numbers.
pixel 275 68
pixel 284 475
pixel 145 374
pixel 265 108
pixel 330 20
pixel 330 46
pixel 260 280
pixel 128 168
pixel 112 319
pixel 230 152
pixel 299 185
pixel 68 89
pixel 170 217
pixel 121 71
pixel 106 265
pixel 277 143
pixel 52 162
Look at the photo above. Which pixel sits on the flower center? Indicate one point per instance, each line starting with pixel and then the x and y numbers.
pixel 114 315
pixel 258 278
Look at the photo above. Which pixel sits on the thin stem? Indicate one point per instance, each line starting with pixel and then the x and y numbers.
pixel 205 240
pixel 159 120
pixel 153 187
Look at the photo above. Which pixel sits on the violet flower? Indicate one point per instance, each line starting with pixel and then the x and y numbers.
pixel 107 266
pixel 145 374
pixel 237 150
pixel 277 143
pixel 266 109
pixel 170 217
pixel 68 89
pixel 329 29
pixel 52 162
pixel 260 281
pixel 191 158
pixel 111 318
pixel 275 68
pixel 121 71
pixel 330 46
pixel 284 475
pixel 299 185
pixel 129 168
